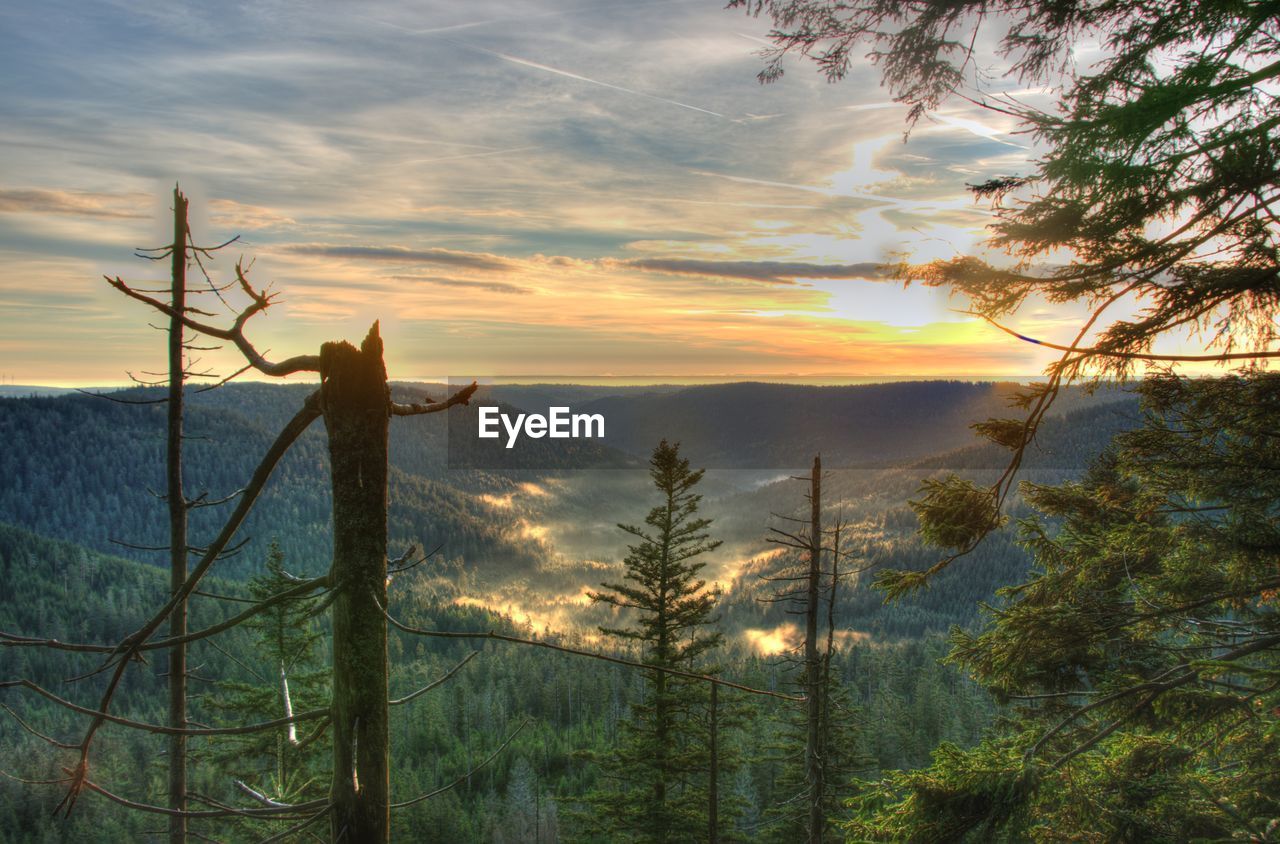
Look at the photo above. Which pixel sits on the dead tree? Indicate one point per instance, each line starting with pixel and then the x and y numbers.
pixel 807 587
pixel 812 665
pixel 179 253
pixel 355 402
pixel 354 399
pixel 177 503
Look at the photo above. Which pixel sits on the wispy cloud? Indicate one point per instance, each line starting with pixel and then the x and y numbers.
pixel 123 206
pixel 488 154
pixel 237 216
pixel 465 284
pixel 775 272
pixel 403 255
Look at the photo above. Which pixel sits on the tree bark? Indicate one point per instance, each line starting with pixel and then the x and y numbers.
pixel 177 527
pixel 812 664
pixel 356 403
pixel 713 790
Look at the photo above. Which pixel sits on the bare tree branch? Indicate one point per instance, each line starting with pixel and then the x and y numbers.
pixel 234 334
pixel 463 396
pixel 264 812
pixel 434 683
pixel 14 640
pixel 309 412
pixel 1093 351
pixel 162 729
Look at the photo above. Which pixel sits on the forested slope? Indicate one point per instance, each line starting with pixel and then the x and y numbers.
pixel 573 708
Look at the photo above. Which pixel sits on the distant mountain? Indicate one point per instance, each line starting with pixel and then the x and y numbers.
pixel 882 528
pixel 82 469
pixel 759 426
pixel 17 391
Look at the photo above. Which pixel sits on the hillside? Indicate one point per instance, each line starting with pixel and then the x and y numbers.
pixel 528 540
pixel 574 709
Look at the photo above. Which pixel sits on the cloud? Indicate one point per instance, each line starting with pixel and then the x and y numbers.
pixel 126 206
pixel 402 255
pixel 460 157
pixel 775 272
pixel 465 284
pixel 227 213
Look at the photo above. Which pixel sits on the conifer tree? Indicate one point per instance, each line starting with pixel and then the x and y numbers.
pixel 1143 655
pixel 658 772
pixel 286 764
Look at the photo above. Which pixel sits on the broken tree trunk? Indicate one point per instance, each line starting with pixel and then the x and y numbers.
pixel 177 527
pixel 356 404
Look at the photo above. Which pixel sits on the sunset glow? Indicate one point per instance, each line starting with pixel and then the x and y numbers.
pixel 788 637
pixel 510 193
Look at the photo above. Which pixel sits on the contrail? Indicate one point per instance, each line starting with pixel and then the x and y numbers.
pixel 587 79
pixel 431 30
pixel 767 183
pixel 469 155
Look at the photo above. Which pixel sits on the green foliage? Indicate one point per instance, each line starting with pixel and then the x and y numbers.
pixel 910 702
pixel 286 764
pixel 977 795
pixel 955 513
pixel 1009 433
pixel 1143 656
pixel 658 770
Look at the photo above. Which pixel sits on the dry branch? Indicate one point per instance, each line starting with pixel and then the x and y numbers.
pixel 234 334
pixel 161 729
pixel 442 789
pixel 463 396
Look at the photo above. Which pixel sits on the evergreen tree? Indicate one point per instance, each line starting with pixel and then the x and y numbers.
pixel 659 768
pixel 1143 654
pixel 285 764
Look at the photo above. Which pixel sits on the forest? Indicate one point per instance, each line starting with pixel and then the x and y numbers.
pixel 311 605
pixel 93 590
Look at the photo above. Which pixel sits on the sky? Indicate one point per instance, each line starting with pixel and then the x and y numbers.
pixel 512 188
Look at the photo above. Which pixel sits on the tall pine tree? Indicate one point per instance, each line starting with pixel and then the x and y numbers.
pixel 658 774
